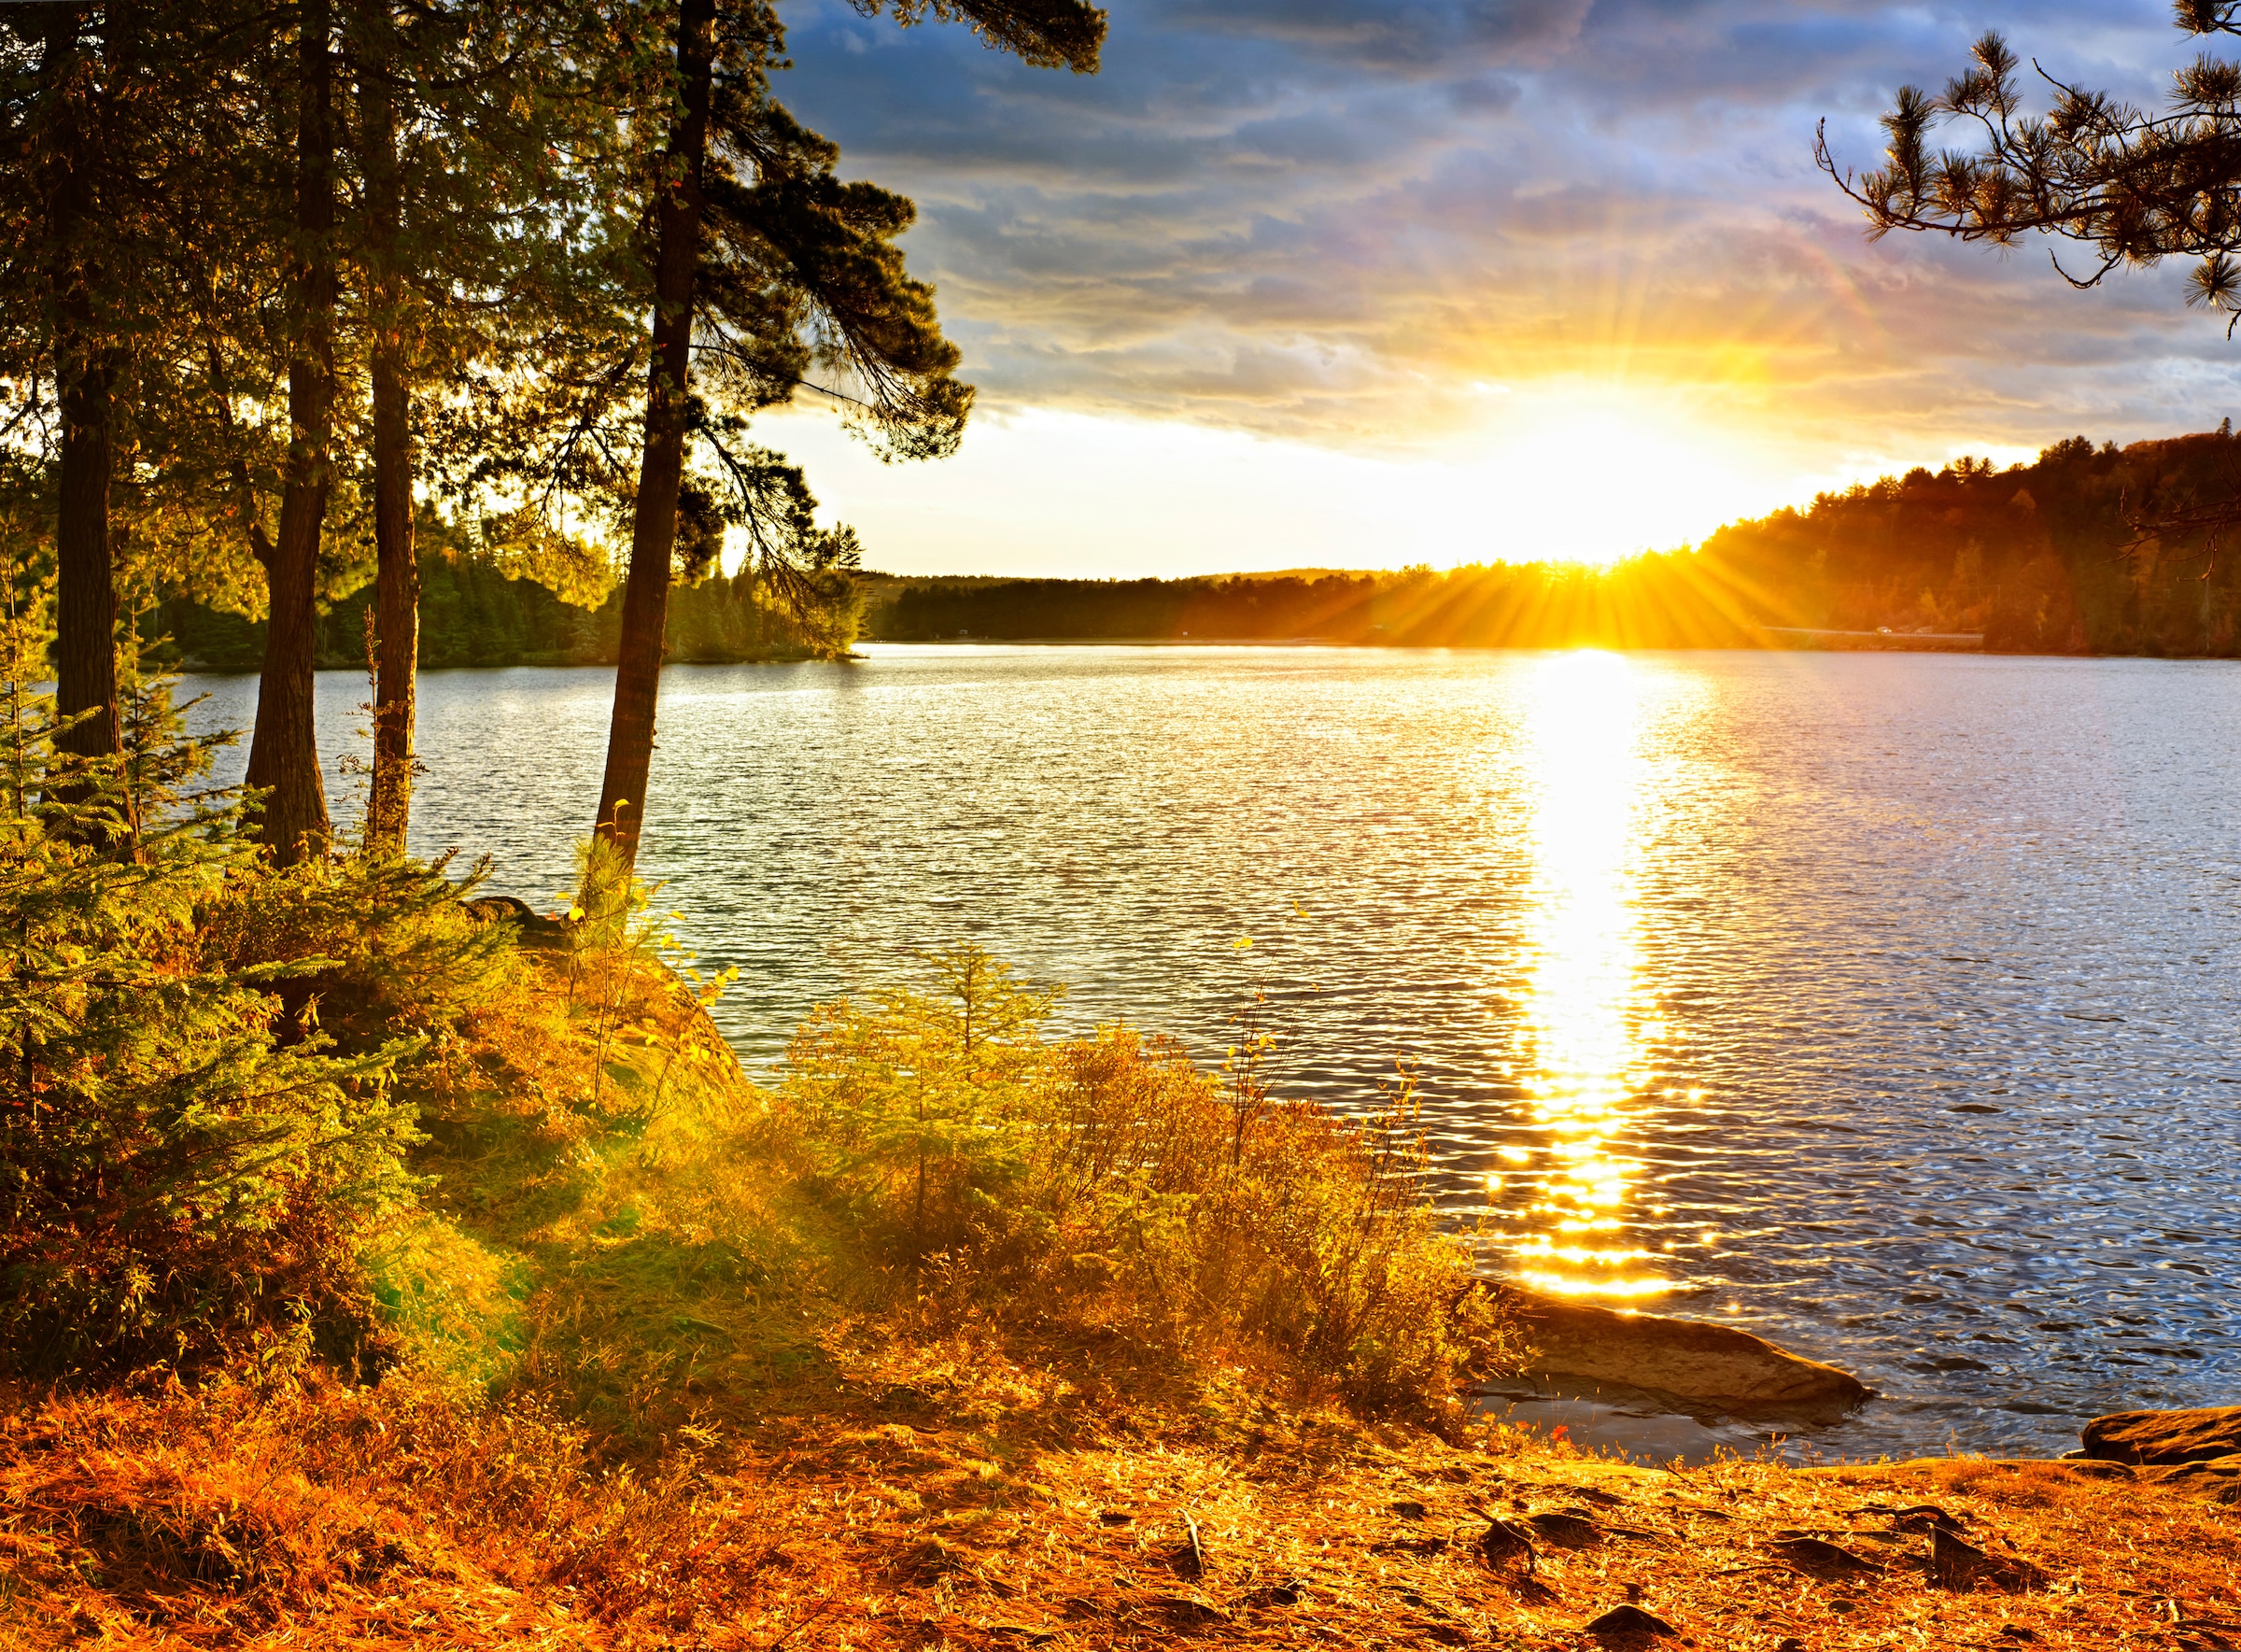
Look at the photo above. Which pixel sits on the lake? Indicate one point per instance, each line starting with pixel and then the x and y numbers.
pixel 1882 1004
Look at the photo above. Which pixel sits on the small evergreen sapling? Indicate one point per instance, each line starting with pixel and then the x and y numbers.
pixel 925 1103
pixel 175 1180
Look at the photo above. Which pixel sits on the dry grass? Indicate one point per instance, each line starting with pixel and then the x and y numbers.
pixel 944 1495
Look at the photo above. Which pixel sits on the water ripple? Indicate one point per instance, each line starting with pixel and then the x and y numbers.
pixel 1883 1004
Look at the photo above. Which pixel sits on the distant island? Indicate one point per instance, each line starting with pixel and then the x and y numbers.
pixel 2046 558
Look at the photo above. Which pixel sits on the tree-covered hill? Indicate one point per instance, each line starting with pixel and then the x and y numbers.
pixel 2039 558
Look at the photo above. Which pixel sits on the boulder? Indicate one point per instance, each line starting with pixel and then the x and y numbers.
pixel 1707 1365
pixel 1629 1623
pixel 2164 1436
pixel 2216 1480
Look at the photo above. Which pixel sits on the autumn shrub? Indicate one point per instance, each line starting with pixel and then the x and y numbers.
pixel 375 948
pixel 240 1507
pixel 1111 1179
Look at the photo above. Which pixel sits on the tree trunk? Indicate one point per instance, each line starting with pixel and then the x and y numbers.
pixel 85 589
pixel 397 633
pixel 85 639
pixel 661 466
pixel 284 753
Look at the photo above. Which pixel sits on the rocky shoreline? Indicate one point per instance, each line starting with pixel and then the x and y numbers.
pixel 1703 1369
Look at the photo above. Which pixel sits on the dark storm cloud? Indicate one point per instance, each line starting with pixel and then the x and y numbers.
pixel 1331 218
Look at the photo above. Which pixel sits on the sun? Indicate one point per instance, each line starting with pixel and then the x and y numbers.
pixel 1596 478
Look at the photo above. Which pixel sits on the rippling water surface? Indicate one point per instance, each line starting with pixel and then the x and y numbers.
pixel 1885 1005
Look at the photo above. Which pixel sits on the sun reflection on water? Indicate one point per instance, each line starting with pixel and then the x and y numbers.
pixel 1583 1021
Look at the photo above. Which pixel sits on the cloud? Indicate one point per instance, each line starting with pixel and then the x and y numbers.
pixel 1334 221
pixel 1416 37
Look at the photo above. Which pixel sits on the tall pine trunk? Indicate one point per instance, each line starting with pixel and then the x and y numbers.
pixel 284 754
pixel 388 804
pixel 661 465
pixel 85 586
pixel 85 639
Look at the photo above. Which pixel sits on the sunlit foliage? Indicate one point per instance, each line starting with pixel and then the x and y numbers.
pixel 1122 1187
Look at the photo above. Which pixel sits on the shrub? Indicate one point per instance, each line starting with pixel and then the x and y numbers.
pixel 1129 1189
pixel 175 1180
pixel 923 1105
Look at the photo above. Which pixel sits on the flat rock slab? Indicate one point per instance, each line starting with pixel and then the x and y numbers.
pixel 2219 1481
pixel 2216 1480
pixel 2074 1467
pixel 2164 1436
pixel 1706 1364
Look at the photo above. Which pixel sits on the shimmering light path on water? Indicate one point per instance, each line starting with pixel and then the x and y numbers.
pixel 1885 1004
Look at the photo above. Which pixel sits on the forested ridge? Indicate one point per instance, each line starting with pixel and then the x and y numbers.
pixel 2042 557
pixel 2056 556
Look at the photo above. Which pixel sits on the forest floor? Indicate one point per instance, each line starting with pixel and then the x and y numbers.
pixel 669 1406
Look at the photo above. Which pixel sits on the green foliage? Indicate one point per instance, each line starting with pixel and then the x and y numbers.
pixel 476 610
pixel 2130 187
pixel 381 952
pixel 924 1103
pixel 1114 1185
pixel 454 1300
pixel 182 1171
pixel 623 967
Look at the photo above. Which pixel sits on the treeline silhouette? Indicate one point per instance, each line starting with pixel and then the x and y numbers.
pixel 1675 601
pixel 474 612
pixel 2046 557
pixel 2058 556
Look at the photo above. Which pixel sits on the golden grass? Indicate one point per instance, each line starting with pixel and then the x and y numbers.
pixel 947 1495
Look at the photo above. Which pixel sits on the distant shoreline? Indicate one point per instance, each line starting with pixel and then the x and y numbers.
pixel 1786 639
pixel 1883 641
pixel 1807 641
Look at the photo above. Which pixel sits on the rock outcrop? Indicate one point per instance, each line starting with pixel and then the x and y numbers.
pixel 1712 1366
pixel 2196 1453
pixel 534 930
pixel 2164 1436
pixel 2217 1481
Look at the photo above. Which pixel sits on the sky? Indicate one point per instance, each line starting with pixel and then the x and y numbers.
pixel 1368 283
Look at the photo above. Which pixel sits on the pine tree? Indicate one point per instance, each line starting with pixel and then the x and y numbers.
pixel 436 217
pixel 2133 188
pixel 175 1180
pixel 485 138
pixel 765 266
pixel 102 112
